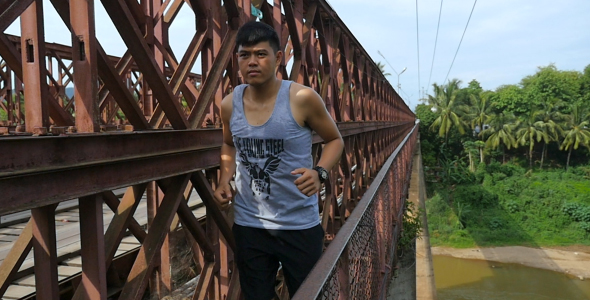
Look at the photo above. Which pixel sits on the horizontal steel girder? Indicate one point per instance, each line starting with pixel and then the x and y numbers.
pixel 37 171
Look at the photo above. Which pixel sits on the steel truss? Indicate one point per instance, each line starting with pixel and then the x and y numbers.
pixel 143 121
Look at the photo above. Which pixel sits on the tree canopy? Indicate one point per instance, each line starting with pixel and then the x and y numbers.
pixel 544 113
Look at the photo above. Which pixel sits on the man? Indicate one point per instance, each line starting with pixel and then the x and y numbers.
pixel 267 135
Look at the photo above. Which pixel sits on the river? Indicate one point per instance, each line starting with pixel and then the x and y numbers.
pixel 466 279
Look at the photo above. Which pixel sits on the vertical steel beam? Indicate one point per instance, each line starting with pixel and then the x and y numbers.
pixel 44 246
pixel 34 71
pixel 85 68
pixel 93 248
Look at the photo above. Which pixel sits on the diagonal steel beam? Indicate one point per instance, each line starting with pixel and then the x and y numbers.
pixel 144 263
pixel 115 205
pixel 205 279
pixel 15 257
pixel 204 190
pixel 191 223
pixel 188 60
pixel 299 48
pixel 211 84
pixel 12 10
pixel 131 35
pixel 136 12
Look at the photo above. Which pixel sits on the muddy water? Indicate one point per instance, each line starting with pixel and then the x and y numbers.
pixel 464 279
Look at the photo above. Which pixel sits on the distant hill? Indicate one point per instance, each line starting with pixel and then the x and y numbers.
pixel 70 92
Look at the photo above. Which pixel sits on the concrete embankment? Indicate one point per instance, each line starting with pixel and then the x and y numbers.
pixel 415 274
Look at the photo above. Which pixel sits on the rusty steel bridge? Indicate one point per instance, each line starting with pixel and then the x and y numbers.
pixel 99 187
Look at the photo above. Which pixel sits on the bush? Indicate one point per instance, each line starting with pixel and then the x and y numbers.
pixel 411 226
pixel 512 207
pixel 475 196
pixel 506 169
pixel 581 171
pixel 495 223
pixel 437 205
pixel 577 211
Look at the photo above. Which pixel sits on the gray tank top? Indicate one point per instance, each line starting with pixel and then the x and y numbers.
pixel 265 156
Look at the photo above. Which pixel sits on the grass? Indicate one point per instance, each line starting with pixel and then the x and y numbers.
pixel 508 206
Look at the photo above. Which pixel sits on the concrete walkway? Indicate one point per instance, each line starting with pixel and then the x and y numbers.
pixel 425 285
pixel 414 275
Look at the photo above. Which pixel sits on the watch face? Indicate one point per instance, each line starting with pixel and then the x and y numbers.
pixel 322 173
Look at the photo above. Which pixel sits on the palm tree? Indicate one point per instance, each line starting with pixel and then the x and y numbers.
pixel 576 130
pixel 444 102
pixel 499 132
pixel 479 110
pixel 381 67
pixel 478 113
pixel 548 124
pixel 529 130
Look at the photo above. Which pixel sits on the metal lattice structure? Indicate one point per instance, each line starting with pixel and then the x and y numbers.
pixel 358 263
pixel 146 123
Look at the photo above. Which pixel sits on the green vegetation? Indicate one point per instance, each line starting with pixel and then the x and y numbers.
pixel 411 226
pixel 510 166
pixel 504 204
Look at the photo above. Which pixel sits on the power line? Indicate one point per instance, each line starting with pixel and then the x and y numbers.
pixel 435 42
pixel 379 52
pixel 460 41
pixel 418 46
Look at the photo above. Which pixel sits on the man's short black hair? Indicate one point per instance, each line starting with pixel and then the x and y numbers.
pixel 254 32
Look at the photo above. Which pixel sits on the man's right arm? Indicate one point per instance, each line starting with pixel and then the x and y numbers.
pixel 224 192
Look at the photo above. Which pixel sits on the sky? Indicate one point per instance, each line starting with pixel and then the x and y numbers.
pixel 504 41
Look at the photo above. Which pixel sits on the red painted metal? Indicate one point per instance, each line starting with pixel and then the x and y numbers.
pixel 93 285
pixel 365 245
pixel 113 133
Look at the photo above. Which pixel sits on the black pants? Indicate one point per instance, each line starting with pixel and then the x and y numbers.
pixel 259 252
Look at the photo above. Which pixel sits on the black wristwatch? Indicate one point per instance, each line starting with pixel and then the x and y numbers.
pixel 323 173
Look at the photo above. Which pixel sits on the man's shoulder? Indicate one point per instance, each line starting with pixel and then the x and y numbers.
pixel 301 93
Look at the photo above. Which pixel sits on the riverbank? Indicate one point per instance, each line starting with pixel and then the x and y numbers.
pixel 574 260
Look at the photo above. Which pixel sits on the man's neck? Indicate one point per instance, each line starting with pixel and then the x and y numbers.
pixel 265 91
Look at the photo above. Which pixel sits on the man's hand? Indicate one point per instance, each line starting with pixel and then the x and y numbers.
pixel 223 194
pixel 309 181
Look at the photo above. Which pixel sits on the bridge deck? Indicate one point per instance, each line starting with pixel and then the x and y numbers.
pixel 68 241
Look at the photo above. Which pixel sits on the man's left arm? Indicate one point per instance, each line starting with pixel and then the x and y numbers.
pixel 318 118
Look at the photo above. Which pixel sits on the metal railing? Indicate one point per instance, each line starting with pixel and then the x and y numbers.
pixel 357 264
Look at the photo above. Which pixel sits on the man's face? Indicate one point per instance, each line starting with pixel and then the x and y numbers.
pixel 258 62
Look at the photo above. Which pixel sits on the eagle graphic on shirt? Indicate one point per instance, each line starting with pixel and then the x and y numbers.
pixel 260 176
